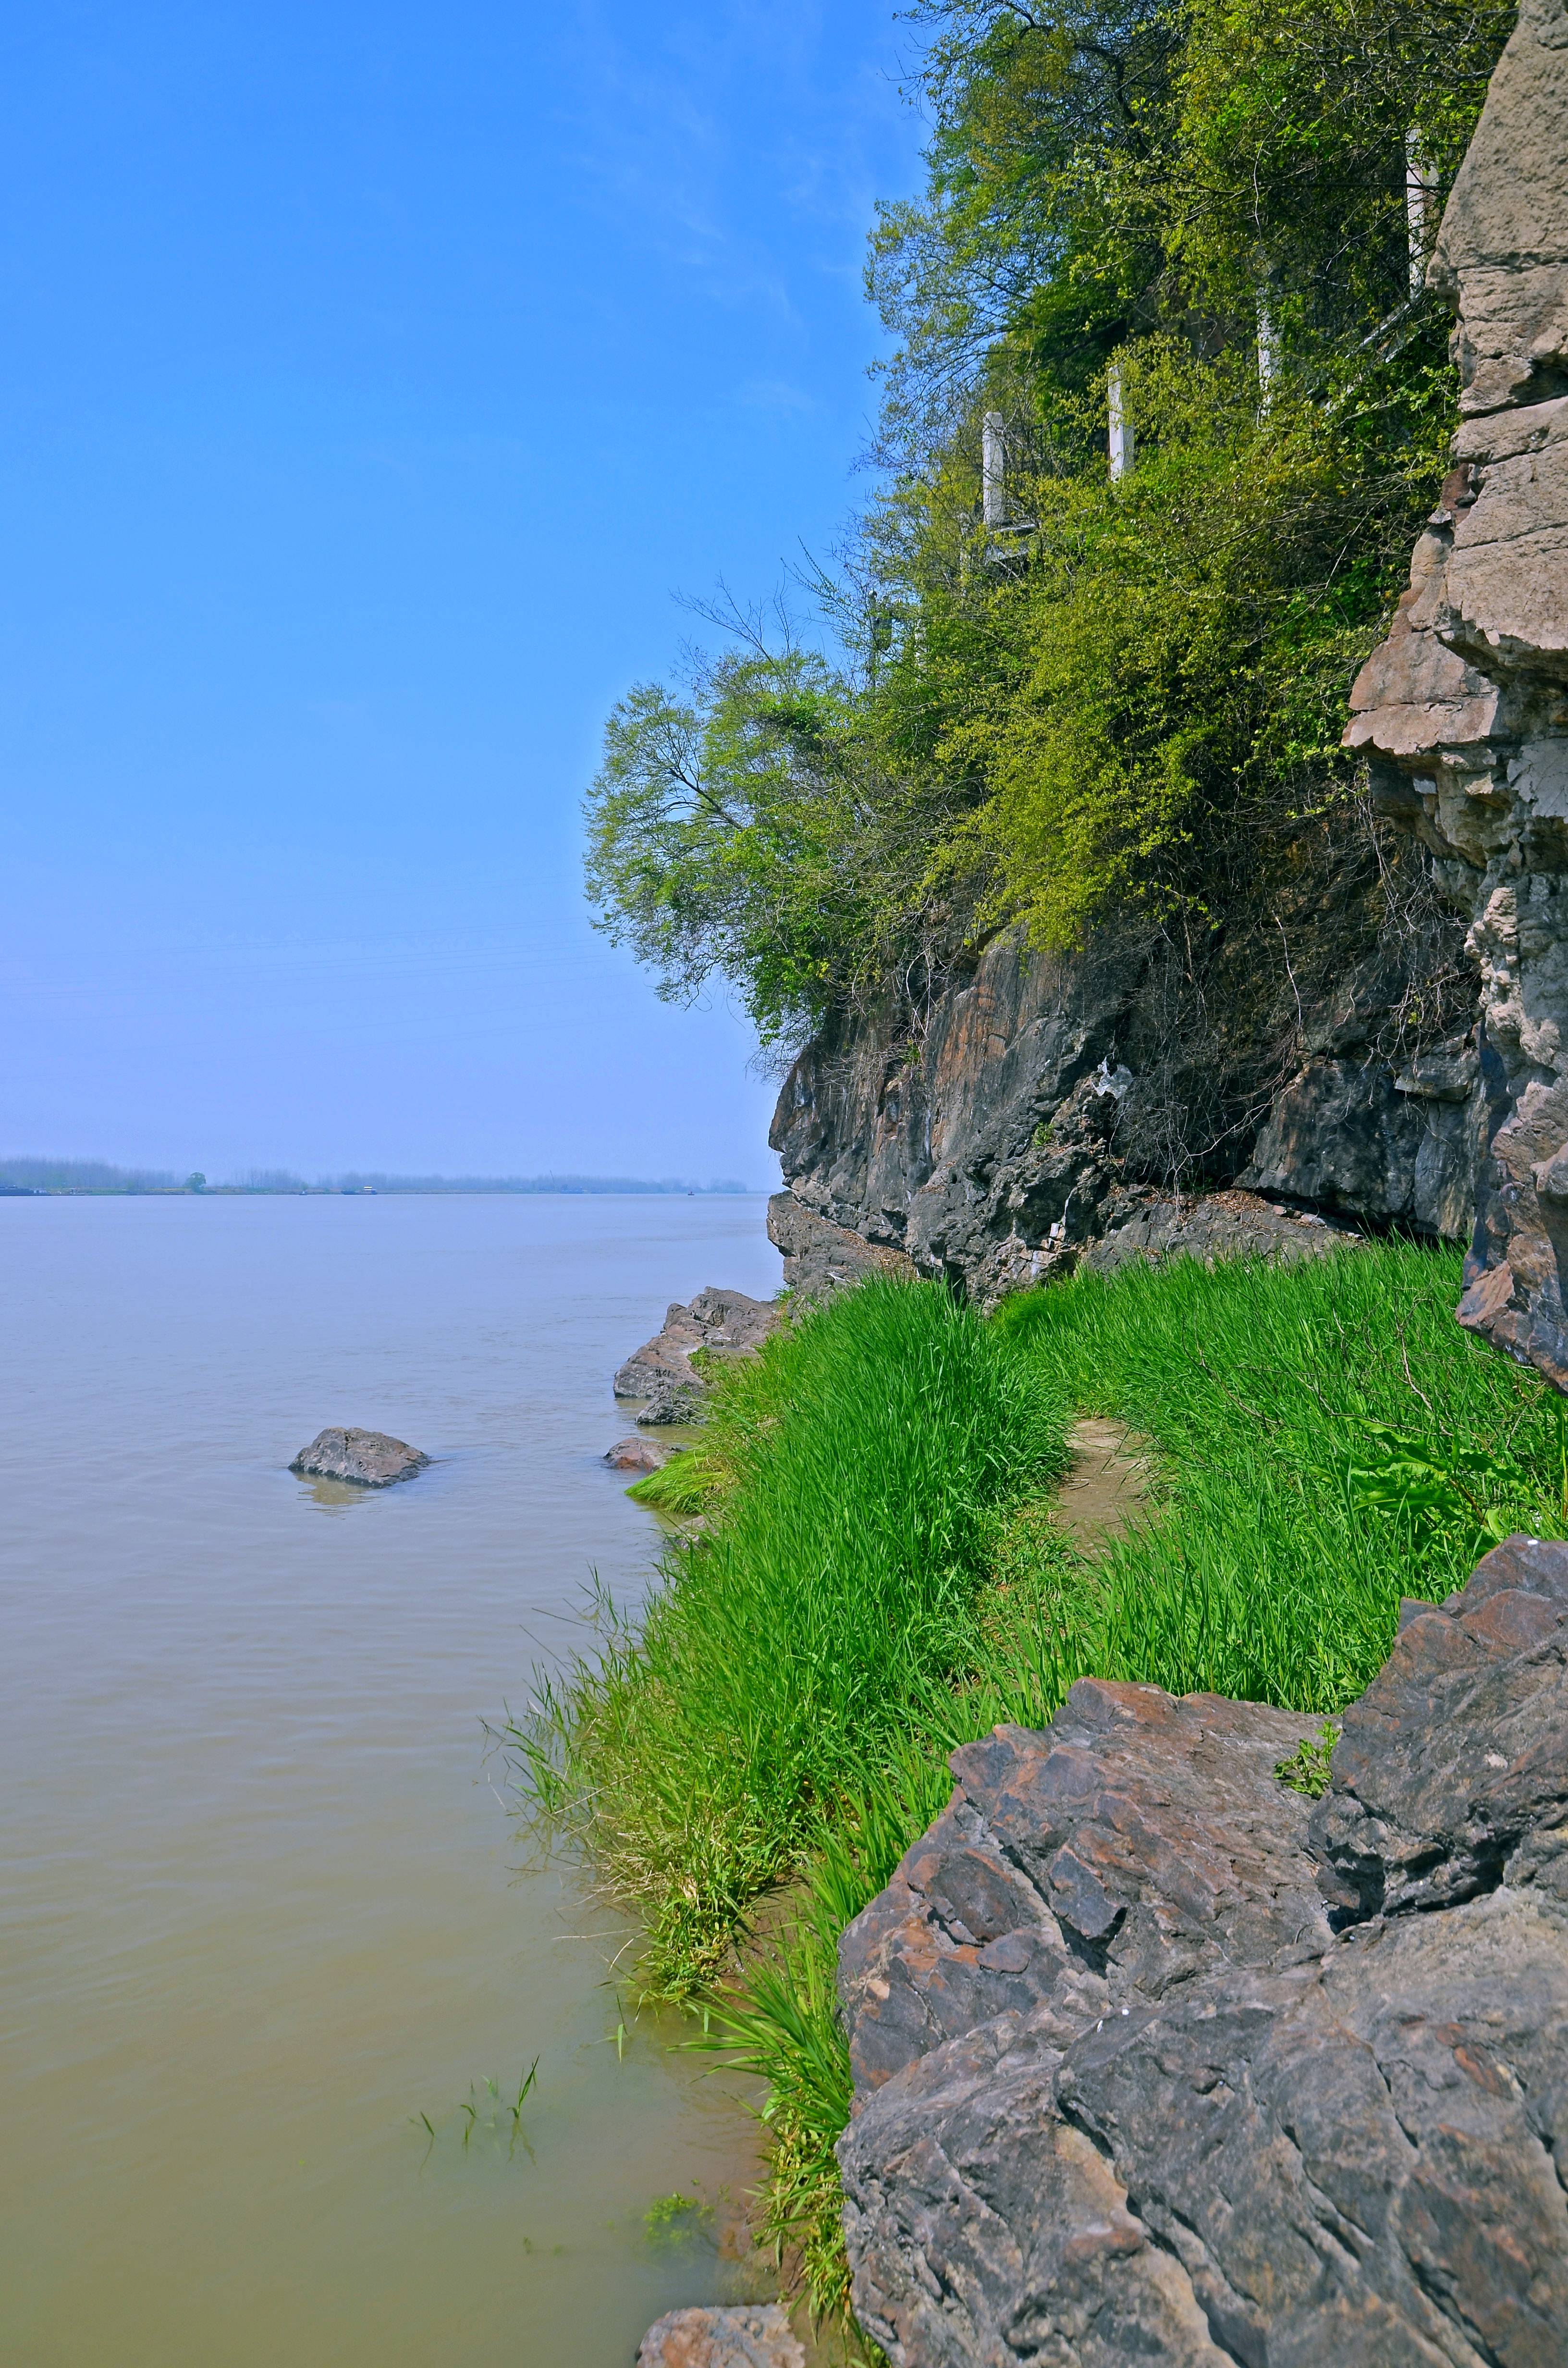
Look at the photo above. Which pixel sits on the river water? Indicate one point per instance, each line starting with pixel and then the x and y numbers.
pixel 262 1901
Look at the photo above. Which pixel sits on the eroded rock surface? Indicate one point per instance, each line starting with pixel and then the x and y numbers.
pixel 368 1458
pixel 1464 708
pixel 820 1256
pixel 726 1323
pixel 1027 1119
pixel 755 2338
pixel 1213 1226
pixel 1154 2060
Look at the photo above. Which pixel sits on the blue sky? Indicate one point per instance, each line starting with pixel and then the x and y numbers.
pixel 377 375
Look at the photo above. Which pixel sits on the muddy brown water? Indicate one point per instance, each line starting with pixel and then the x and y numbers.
pixel 262 1903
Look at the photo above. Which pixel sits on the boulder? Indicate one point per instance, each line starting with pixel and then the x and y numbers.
pixel 637 1455
pixel 724 1322
pixel 1155 2060
pixel 1461 711
pixel 672 1402
pixel 755 2338
pixel 368 1458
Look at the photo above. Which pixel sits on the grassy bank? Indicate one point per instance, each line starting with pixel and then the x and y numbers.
pixel 858 1468
pixel 879 1579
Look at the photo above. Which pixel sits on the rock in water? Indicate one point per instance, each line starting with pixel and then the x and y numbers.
pixel 725 1322
pixel 368 1458
pixel 673 1402
pixel 722 2339
pixel 1155 2062
pixel 637 1455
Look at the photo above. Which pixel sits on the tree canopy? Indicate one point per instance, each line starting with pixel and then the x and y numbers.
pixel 1090 694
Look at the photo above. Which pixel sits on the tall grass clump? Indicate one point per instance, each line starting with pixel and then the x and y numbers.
pixel 880 1578
pixel 1324 1439
pixel 786 1653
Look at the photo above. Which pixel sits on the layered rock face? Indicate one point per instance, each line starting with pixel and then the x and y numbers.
pixel 1154 2060
pixel 1464 710
pixel 1034 1111
pixel 1033 1115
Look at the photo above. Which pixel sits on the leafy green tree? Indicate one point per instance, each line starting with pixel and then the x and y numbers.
pixel 723 829
pixel 1114 696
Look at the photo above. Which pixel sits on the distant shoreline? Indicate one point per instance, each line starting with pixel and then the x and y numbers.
pixel 92 1179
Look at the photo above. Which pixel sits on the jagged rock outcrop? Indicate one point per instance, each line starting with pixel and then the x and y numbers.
pixel 820 1257
pixel 1042 1108
pixel 1155 2061
pixel 724 1322
pixel 1464 708
pixel 1009 1131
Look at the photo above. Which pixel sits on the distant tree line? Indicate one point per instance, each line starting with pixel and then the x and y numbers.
pixel 100 1176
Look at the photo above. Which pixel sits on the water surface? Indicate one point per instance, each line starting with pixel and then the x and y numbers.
pixel 259 1899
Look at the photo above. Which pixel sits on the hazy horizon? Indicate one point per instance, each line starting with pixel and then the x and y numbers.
pixel 48 1175
pixel 379 375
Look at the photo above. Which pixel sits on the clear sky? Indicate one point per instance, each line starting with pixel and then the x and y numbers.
pixel 375 375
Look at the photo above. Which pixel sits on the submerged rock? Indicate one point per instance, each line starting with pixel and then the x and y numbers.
pixel 1154 2060
pixel 722 2339
pixel 368 1458
pixel 638 1455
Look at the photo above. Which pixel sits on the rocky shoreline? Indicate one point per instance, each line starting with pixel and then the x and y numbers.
pixel 1153 2059
pixel 1180 2037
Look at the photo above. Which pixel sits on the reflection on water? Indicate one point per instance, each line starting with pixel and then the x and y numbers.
pixel 272 1977
pixel 337 1495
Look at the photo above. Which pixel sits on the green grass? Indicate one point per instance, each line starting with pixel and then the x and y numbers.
pixel 854 1471
pixel 1327 1441
pixel 879 1580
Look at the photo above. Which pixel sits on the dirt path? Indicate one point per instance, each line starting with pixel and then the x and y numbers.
pixel 1107 1484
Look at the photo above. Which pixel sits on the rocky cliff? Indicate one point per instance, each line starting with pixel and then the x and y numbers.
pixel 1464 710
pixel 1047 1103
pixel 1384 1038
pixel 1154 2060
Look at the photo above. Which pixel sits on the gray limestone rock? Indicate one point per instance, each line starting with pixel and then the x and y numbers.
pixel 725 1322
pixel 1451 1774
pixel 670 1401
pixel 368 1458
pixel 705 2337
pixel 1215 1226
pixel 1121 2093
pixel 1012 1135
pixel 1463 710
pixel 821 1257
